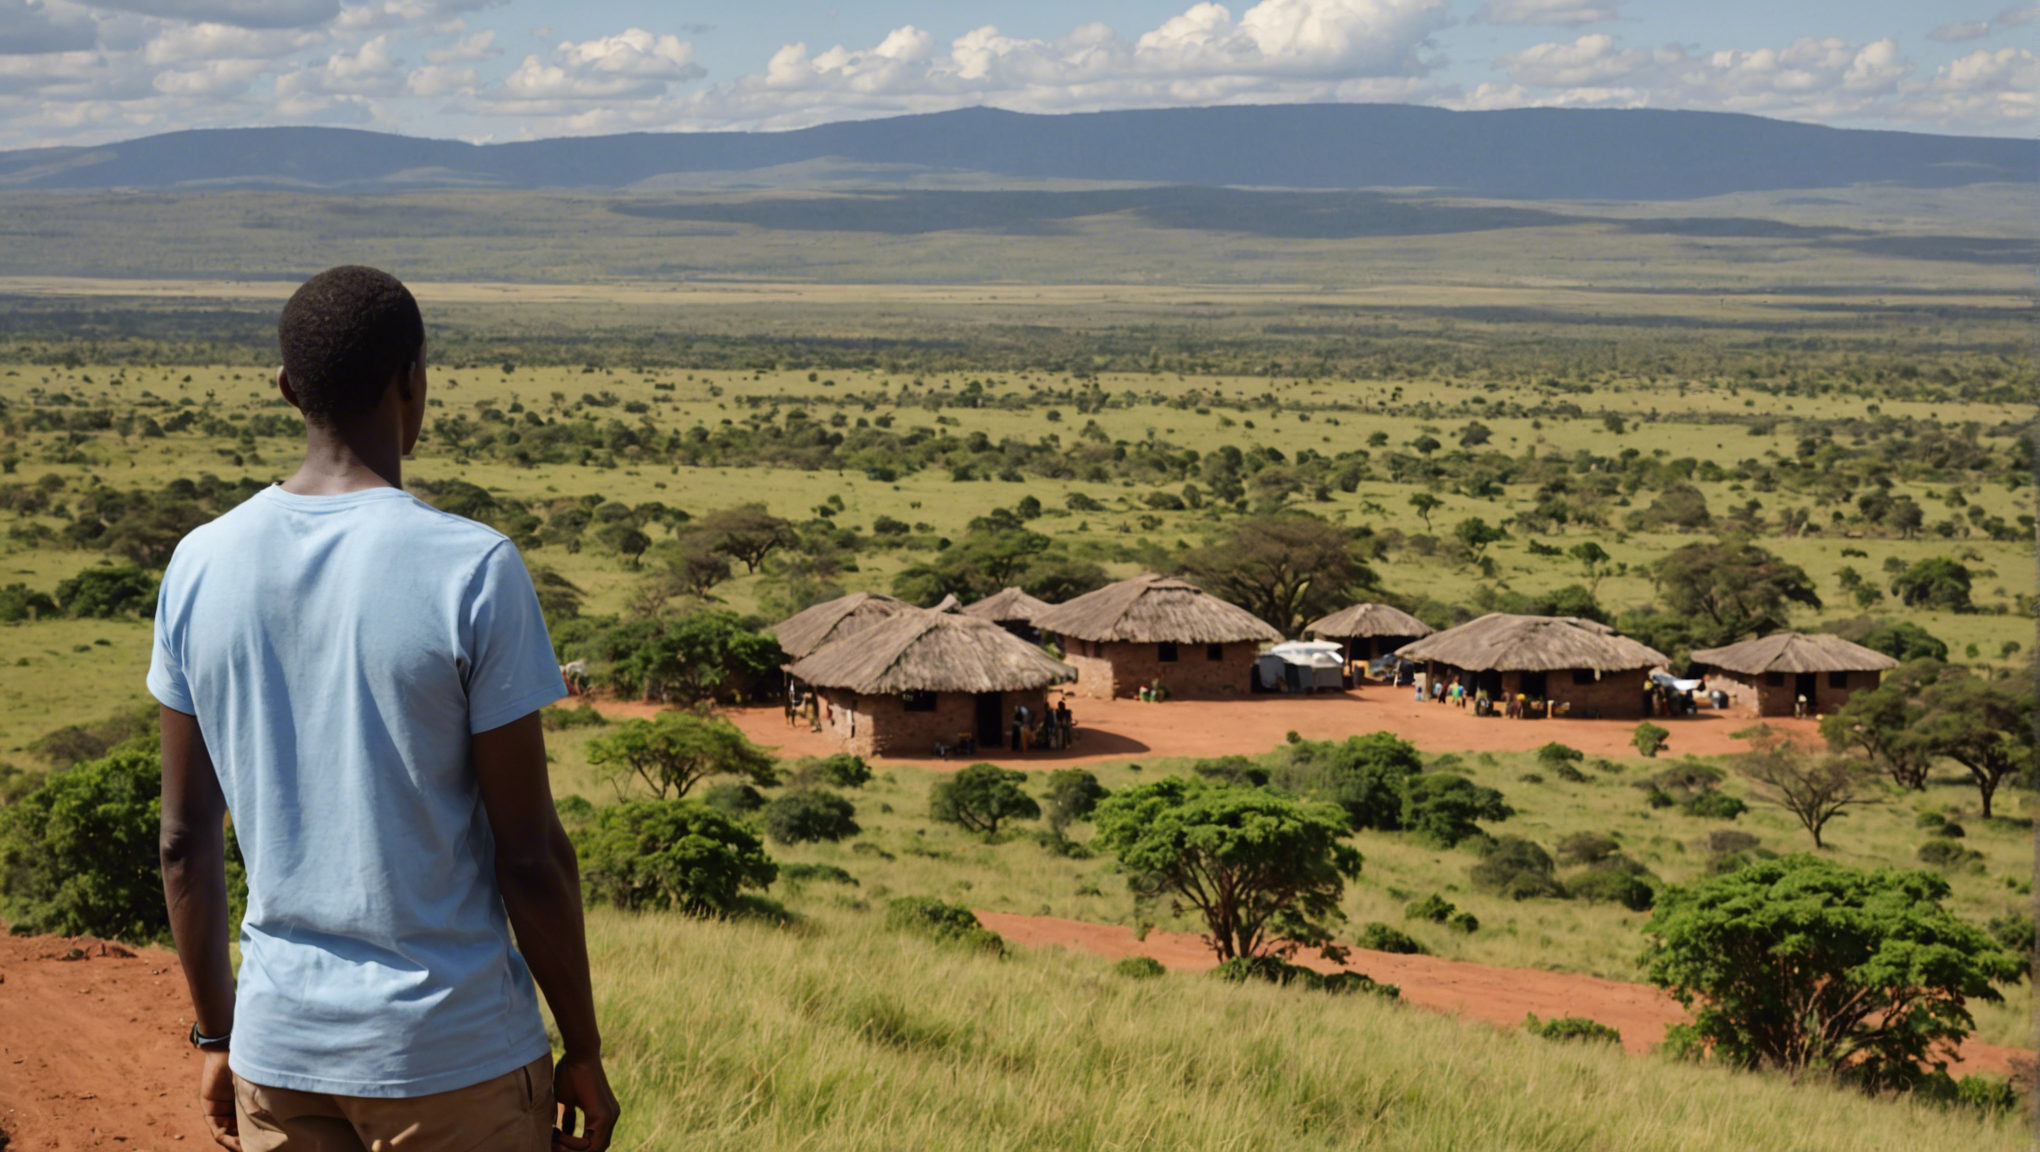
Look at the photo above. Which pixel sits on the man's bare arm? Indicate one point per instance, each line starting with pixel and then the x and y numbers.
pixel 541 885
pixel 193 847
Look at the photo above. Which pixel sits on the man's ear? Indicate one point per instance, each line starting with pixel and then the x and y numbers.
pixel 289 393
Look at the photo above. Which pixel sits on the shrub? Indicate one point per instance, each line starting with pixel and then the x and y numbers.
pixel 1235 770
pixel 947 922
pixel 674 751
pixel 1378 937
pixel 1277 971
pixel 1554 754
pixel 1950 856
pixel 20 602
pixel 1072 795
pixel 585 716
pixel 804 815
pixel 1950 831
pixel 1440 808
pixel 1530 778
pixel 1715 806
pixel 981 797
pixel 1599 887
pixel 844 771
pixel 1571 1028
pixel 1364 775
pixel 733 799
pixel 1569 774
pixel 1140 968
pixel 1517 869
pixel 108 592
pixel 1650 738
pixel 2014 932
pixel 816 874
pixel 1465 922
pixel 659 854
pixel 1434 908
pixel 1586 849
pixel 574 809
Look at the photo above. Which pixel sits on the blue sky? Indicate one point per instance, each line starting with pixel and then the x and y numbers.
pixel 86 71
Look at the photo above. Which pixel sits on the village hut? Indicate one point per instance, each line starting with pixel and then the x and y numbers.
pixel 921 680
pixel 1157 629
pixel 1013 610
pixel 1369 630
pixel 1773 675
pixel 831 620
pixel 1577 667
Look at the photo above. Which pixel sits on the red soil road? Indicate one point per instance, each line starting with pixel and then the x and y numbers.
pixel 1499 996
pixel 1128 729
pixel 93 1052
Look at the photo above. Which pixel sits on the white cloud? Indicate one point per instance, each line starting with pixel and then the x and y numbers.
pixel 1985 88
pixel 2016 17
pixel 32 27
pixel 244 13
pixel 442 80
pixel 633 52
pixel 1548 13
pixel 1960 30
pixel 471 50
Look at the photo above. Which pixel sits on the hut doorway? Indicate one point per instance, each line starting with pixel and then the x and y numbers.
pixel 1803 687
pixel 991 716
pixel 1534 685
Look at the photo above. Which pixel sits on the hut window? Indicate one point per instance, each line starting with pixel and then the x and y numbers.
pixel 1838 679
pixel 918 701
pixel 1583 676
pixel 1214 651
pixel 1167 652
pixel 1774 679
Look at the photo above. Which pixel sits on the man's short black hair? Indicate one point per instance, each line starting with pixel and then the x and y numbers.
pixel 344 334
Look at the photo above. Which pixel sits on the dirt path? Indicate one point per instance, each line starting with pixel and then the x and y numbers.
pixel 92 1049
pixel 1128 729
pixel 1498 996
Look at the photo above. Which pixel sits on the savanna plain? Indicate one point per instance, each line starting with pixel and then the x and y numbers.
pixel 953 404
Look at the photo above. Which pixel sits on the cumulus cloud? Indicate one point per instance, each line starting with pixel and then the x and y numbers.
pixel 1985 88
pixel 1960 30
pixel 470 50
pixel 31 27
pixel 243 13
pixel 1548 13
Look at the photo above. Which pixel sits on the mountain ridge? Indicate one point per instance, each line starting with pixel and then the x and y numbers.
pixel 1518 154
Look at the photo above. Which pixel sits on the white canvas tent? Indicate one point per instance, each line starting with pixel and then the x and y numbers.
pixel 1302 666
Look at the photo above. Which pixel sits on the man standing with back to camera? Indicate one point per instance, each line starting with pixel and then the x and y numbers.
pixel 356 677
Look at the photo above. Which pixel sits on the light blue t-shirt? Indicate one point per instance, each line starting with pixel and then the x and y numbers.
pixel 338 652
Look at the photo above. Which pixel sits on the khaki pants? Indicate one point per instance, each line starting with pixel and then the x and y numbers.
pixel 512 1113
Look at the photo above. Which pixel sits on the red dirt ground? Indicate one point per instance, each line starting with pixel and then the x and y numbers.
pixel 1499 996
pixel 1123 729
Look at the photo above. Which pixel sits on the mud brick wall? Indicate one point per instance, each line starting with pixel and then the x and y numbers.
pixel 1106 670
pixel 882 725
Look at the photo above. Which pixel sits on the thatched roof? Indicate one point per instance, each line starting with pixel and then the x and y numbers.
pixel 832 620
pixel 1154 609
pixel 1369 620
pixel 1795 652
pixel 923 651
pixel 1007 604
pixel 1499 641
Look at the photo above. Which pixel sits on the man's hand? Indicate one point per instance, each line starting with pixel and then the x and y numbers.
pixel 580 1086
pixel 216 1097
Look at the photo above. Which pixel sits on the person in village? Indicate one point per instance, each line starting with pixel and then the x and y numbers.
pixel 356 677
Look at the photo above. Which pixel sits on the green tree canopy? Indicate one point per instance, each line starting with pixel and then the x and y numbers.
pixel 1286 568
pixel 108 592
pixel 659 854
pixel 1984 725
pixel 1265 872
pixel 1732 589
pixel 1884 723
pixel 704 655
pixel 1363 775
pixel 1801 964
pixel 981 797
pixel 747 532
pixel 674 751
pixel 1936 582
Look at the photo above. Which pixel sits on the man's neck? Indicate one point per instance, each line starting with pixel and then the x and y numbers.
pixel 334 466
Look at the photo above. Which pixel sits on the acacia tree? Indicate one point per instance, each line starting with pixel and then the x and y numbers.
pixel 1981 726
pixel 748 533
pixel 1425 504
pixel 674 751
pixel 981 797
pixel 1813 789
pixel 1801 964
pixel 1884 723
pixel 1288 569
pixel 1265 872
pixel 1732 588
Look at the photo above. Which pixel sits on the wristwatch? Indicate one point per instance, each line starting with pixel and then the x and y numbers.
pixel 209 1043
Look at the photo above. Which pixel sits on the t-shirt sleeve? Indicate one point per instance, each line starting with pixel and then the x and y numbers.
pixel 511 669
pixel 166 663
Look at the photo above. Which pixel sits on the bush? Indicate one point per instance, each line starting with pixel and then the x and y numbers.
pixel 805 815
pixel 1571 1028
pixel 815 874
pixel 1464 922
pixel 1434 908
pixel 585 716
pixel 108 592
pixel 674 751
pixel 574 810
pixel 1516 868
pixel 733 799
pixel 1715 806
pixel 1072 795
pixel 1140 968
pixel 1364 775
pixel 947 922
pixel 1274 970
pixel 659 854
pixel 1569 774
pixel 20 602
pixel 981 797
pixel 78 856
pixel 1950 831
pixel 2014 932
pixel 1609 887
pixel 1234 770
pixel 1554 754
pixel 844 771
pixel 1650 738
pixel 1950 856
pixel 1440 808
pixel 1587 849
pixel 1378 937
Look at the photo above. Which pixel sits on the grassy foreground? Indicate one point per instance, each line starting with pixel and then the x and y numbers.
pixel 836 1034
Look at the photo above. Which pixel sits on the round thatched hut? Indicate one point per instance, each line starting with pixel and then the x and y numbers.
pixel 1369 630
pixel 1770 676
pixel 919 678
pixel 1011 609
pixel 1157 628
pixel 831 620
pixel 1582 668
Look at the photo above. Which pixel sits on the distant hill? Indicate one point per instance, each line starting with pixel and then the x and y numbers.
pixel 1517 154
